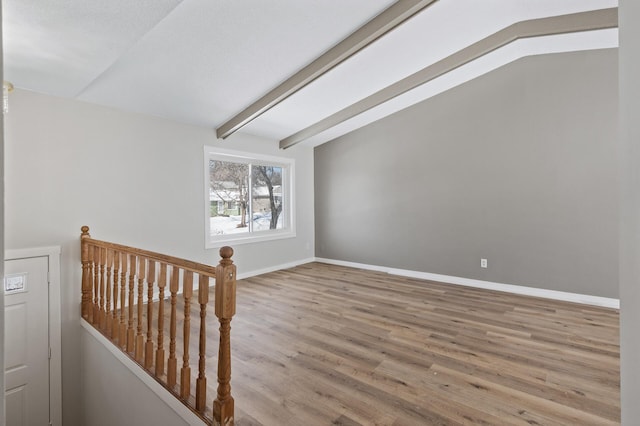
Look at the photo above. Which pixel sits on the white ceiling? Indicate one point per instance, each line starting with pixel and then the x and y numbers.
pixel 203 61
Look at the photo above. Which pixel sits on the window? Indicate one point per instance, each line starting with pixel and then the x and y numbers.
pixel 248 197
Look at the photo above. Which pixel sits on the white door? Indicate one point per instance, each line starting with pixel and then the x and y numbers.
pixel 26 313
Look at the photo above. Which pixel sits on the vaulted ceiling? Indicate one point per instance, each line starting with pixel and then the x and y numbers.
pixel 206 61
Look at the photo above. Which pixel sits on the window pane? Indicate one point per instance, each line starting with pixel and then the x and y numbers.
pixel 266 198
pixel 248 197
pixel 229 197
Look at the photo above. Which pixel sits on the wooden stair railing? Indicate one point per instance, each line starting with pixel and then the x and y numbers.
pixel 114 277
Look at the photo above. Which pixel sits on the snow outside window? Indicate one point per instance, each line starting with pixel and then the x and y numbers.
pixel 248 197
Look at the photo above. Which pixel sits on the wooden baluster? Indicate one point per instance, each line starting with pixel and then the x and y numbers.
pixel 106 326
pixel 113 322
pixel 139 337
pixel 130 331
pixel 101 255
pixel 148 347
pixel 201 382
pixel 185 372
pixel 172 363
pixel 106 271
pixel 95 255
pixel 160 350
pixel 225 308
pixel 122 336
pixel 87 276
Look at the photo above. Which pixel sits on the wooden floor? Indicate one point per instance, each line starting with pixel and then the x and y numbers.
pixel 328 345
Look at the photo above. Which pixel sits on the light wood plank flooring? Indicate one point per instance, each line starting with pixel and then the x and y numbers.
pixel 328 345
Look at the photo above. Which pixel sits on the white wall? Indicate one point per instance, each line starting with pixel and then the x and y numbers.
pixel 1 240
pixel 133 179
pixel 113 395
pixel 629 154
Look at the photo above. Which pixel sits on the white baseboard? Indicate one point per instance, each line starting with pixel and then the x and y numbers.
pixel 275 268
pixel 488 285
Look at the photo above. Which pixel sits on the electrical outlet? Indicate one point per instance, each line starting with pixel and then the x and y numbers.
pixel 483 263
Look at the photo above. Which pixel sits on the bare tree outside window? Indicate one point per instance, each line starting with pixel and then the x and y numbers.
pixel 246 198
pixel 269 177
pixel 230 183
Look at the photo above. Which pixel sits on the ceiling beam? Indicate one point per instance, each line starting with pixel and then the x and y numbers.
pixel 387 20
pixel 576 22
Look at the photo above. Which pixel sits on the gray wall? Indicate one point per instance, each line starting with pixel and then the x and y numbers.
pixel 629 149
pixel 517 166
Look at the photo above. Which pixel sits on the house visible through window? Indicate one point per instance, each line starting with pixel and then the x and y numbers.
pixel 248 198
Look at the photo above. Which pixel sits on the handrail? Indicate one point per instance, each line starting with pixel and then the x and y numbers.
pixel 158 257
pixel 111 274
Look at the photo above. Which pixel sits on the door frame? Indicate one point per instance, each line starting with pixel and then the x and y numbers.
pixel 55 362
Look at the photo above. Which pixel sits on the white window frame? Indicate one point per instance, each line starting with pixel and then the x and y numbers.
pixel 288 193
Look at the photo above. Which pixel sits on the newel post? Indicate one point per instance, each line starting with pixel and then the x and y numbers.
pixel 87 285
pixel 225 308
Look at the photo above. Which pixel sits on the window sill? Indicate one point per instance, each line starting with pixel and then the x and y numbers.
pixel 232 240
